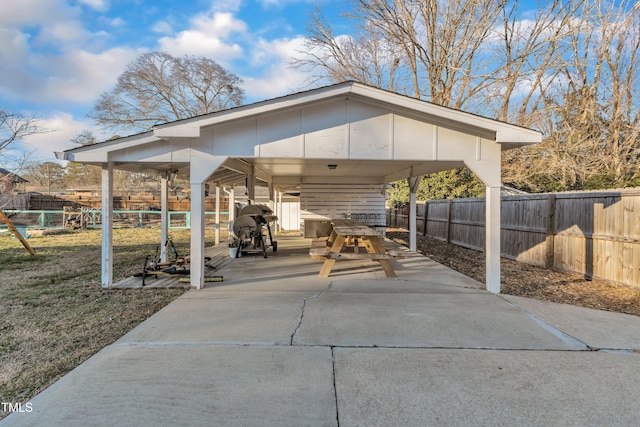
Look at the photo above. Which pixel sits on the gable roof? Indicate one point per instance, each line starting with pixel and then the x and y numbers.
pixel 372 134
pixel 7 174
pixel 502 132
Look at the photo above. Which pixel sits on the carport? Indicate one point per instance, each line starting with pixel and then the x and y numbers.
pixel 348 133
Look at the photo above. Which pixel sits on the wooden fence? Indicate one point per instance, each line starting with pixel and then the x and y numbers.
pixel 34 201
pixel 593 233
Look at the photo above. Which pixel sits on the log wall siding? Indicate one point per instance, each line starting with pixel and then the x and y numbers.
pixel 593 233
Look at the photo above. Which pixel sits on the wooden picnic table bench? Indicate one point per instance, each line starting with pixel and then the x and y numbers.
pixel 346 233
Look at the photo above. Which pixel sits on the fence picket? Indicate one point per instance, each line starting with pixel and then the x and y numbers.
pixel 593 233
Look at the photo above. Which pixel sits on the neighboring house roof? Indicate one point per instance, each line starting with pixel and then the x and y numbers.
pixel 7 174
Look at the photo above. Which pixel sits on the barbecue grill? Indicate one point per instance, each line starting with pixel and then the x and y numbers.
pixel 248 230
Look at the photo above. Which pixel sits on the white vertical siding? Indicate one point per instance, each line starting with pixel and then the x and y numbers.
pixel 290 216
pixel 328 201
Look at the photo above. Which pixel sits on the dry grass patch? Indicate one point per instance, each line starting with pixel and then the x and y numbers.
pixel 54 313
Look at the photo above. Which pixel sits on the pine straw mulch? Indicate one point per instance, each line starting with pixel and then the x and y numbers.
pixel 530 281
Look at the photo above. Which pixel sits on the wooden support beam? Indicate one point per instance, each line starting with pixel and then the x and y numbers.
pixel 16 233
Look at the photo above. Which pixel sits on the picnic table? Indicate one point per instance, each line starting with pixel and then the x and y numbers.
pixel 352 235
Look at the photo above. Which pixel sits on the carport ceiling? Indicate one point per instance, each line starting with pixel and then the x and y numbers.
pixel 287 172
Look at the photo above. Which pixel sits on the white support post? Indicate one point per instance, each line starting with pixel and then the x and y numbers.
pixel 489 172
pixel 164 218
pixel 492 236
pixel 217 226
pixel 414 181
pixel 272 198
pixel 280 217
pixel 201 168
pixel 232 203
pixel 107 224
pixel 197 235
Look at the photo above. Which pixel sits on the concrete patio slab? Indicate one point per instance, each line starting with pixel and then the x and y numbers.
pixel 350 314
pixel 186 385
pixel 233 317
pixel 416 266
pixel 598 329
pixel 274 345
pixel 411 387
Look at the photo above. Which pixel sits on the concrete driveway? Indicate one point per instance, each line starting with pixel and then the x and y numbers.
pixel 273 345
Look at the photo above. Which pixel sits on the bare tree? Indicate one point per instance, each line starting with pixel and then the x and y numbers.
pixel 433 46
pixel 593 112
pixel 158 88
pixel 84 138
pixel 14 127
pixel 49 175
pixel 366 56
pixel 569 68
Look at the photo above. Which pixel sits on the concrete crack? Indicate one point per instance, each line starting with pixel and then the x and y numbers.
pixel 304 304
pixel 335 389
pixel 561 335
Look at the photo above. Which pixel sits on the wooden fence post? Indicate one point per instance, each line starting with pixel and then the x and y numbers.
pixel 426 217
pixel 550 239
pixel 449 204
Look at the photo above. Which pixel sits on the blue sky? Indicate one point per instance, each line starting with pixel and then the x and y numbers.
pixel 58 56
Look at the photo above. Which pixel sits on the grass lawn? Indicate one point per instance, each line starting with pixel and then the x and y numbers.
pixel 54 313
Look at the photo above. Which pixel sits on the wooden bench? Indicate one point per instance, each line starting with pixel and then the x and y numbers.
pixel 319 248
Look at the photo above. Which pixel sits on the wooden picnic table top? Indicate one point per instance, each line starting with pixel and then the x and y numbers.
pixel 349 227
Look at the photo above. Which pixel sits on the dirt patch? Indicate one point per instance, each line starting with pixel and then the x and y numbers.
pixel 530 281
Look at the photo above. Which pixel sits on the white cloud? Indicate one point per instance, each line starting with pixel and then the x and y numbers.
pixel 209 36
pixel 225 5
pixel 13 43
pixel 220 24
pixel 14 14
pixel 197 43
pixel 276 81
pixel 62 32
pixel 52 22
pixel 162 27
pixel 278 78
pixel 81 76
pixel 114 22
pixel 278 3
pixel 99 5
pixel 63 127
pixel 74 77
pixel 277 50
